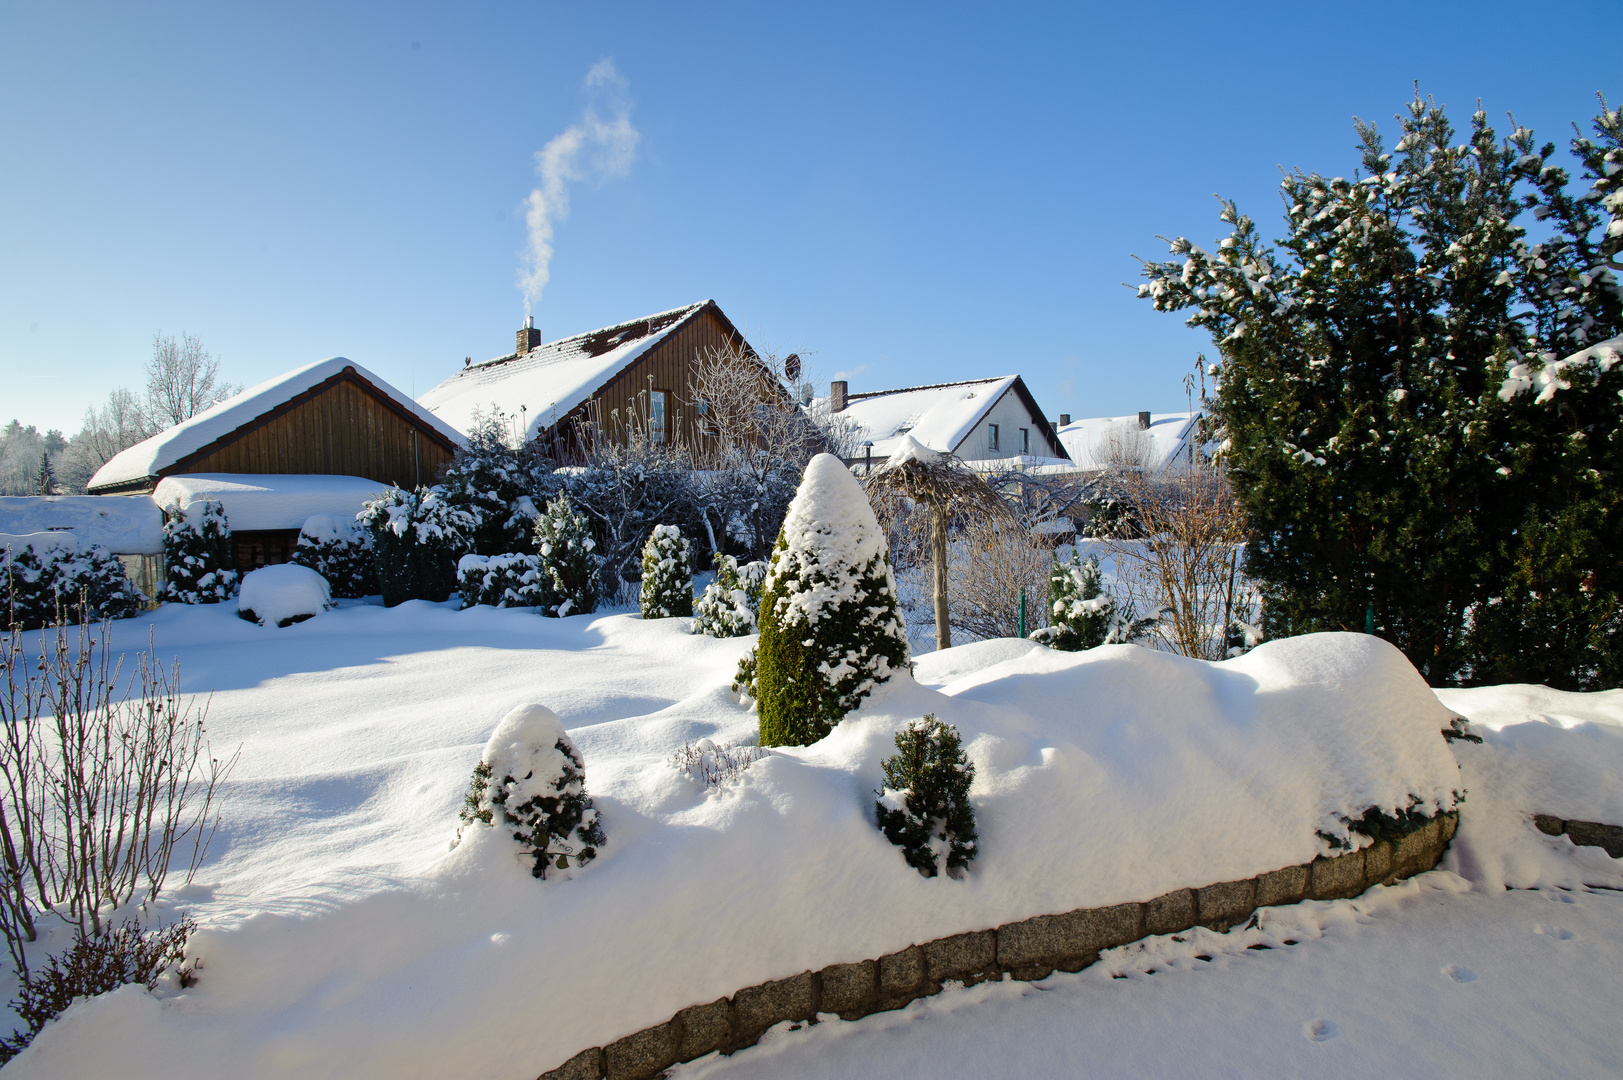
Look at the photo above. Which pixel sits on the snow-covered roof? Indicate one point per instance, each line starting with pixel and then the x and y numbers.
pixel 939 417
pixel 123 524
pixel 554 378
pixel 146 459
pixel 1093 443
pixel 277 501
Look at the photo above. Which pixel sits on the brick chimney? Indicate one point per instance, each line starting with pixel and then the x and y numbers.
pixel 1143 420
pixel 528 337
pixel 1064 419
pixel 837 391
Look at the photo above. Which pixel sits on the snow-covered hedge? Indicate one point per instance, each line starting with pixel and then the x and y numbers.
pixel 197 555
pixel 416 538
pixel 667 574
pixel 41 575
pixel 501 581
pixel 282 595
pixel 571 568
pixel 731 604
pixel 339 550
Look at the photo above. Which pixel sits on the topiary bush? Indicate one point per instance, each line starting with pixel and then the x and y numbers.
pixel 501 581
pixel 924 806
pixel 667 574
pixel 830 628
pixel 82 585
pixel 340 550
pixel 731 604
pixel 532 780
pixel 571 568
pixel 197 555
pixel 1084 615
pixel 416 539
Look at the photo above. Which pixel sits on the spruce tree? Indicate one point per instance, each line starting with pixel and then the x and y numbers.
pixel 1082 614
pixel 47 476
pixel 667 577
pixel 924 806
pixel 339 550
pixel 499 486
pixel 1377 405
pixel 197 555
pixel 830 628
pixel 417 537
pixel 731 604
pixel 571 568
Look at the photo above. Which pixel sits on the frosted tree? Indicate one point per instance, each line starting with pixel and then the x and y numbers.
pixel 339 550
pixel 830 629
pixel 667 576
pixel 416 539
pixel 197 555
pixel 731 604
pixel 1083 615
pixel 571 568
pixel 499 484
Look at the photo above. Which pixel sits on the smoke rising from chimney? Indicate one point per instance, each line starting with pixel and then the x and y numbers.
pixel 601 146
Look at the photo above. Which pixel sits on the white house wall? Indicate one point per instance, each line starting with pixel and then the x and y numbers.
pixel 1010 414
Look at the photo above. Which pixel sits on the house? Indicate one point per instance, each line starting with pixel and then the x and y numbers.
pixel 1148 440
pixel 634 376
pixel 981 420
pixel 322 438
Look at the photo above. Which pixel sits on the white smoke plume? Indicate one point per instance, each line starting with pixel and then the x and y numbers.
pixel 600 147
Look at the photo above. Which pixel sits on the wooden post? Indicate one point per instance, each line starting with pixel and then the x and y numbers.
pixel 938 545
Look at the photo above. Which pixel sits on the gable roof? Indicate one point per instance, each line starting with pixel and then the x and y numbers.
pixel 147 459
pixel 940 416
pixel 555 378
pixel 1168 435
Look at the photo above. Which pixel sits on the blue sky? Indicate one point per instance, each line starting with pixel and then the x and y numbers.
pixel 904 193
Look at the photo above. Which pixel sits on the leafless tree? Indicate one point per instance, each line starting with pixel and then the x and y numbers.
pixel 182 380
pixel 996 561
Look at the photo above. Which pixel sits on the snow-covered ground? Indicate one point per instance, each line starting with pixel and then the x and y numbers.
pixel 344 937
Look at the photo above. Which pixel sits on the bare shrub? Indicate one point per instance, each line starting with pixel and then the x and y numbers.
pixel 994 563
pixel 711 764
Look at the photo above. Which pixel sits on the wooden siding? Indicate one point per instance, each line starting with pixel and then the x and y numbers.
pixel 341 428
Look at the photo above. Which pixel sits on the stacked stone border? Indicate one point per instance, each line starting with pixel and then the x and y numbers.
pixel 1584 833
pixel 1030 949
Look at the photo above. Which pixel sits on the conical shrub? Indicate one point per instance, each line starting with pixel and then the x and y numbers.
pixel 667 574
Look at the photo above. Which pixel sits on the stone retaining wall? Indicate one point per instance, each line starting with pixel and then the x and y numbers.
pixel 1029 949
pixel 1584 833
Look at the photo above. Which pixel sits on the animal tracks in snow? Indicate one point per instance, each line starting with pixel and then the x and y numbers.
pixel 1459 973
pixel 1319 1030
pixel 1556 932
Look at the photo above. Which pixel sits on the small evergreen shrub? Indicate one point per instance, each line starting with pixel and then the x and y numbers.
pixel 416 538
pixel 924 806
pixel 667 576
pixel 340 550
pixel 731 604
pixel 497 485
pixel 83 585
pixel 197 555
pixel 830 627
pixel 1083 615
pixel 571 568
pixel 532 780
pixel 500 581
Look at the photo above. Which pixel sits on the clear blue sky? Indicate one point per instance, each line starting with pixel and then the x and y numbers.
pixel 908 193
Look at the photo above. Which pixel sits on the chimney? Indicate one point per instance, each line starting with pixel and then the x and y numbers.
pixel 836 395
pixel 1064 419
pixel 529 337
pixel 1143 420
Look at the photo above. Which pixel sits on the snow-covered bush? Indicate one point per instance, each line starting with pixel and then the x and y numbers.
pixel 339 550
pixel 197 555
pixel 667 574
pixel 500 581
pixel 533 780
pixel 498 485
pixel 830 628
pixel 731 604
pixel 570 564
pixel 1083 615
pixel 82 585
pixel 282 595
pixel 924 806
pixel 416 538
pixel 712 764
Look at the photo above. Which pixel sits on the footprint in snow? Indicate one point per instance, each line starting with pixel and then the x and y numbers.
pixel 1561 897
pixel 1555 932
pixel 1459 974
pixel 1319 1030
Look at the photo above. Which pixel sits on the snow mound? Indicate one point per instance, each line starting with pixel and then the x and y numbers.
pixel 910 449
pixel 283 594
pixel 332 528
pixel 123 524
pixel 522 746
pixel 39 542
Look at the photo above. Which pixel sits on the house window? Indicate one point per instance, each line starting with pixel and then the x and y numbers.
pixel 658 430
pixel 1025 440
pixel 991 436
pixel 707 424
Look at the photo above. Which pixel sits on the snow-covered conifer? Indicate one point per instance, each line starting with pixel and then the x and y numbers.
pixel 924 806
pixel 38 586
pixel 197 555
pixel 339 550
pixel 417 537
pixel 531 779
pixel 501 581
pixel 731 604
pixel 830 629
pixel 667 574
pixel 498 485
pixel 1083 615
pixel 570 564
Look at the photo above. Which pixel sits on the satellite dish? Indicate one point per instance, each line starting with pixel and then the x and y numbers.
pixel 791 367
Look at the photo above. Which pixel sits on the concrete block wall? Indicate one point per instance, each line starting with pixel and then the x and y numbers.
pixel 1029 949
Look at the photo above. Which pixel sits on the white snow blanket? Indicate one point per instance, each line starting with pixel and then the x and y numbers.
pixel 123 524
pixel 39 543
pixel 939 417
pixel 1096 442
pixel 273 594
pixel 271 501
pixel 343 939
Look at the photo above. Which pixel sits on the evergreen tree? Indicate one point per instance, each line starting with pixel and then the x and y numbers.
pixel 667 578
pixel 416 539
pixel 47 476
pixel 38 587
pixel 830 629
pixel 571 568
pixel 924 806
pixel 499 486
pixel 339 550
pixel 532 777
pixel 1372 399
pixel 197 555
pixel 731 604
pixel 1083 615
pixel 501 581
